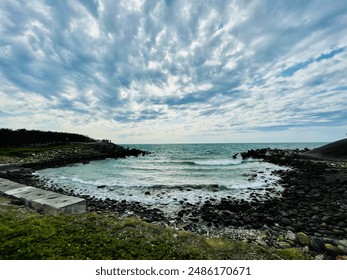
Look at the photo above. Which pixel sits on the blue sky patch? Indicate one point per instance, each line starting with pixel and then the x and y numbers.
pixel 293 69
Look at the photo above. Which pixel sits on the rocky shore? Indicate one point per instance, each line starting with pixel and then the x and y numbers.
pixel 45 156
pixel 311 212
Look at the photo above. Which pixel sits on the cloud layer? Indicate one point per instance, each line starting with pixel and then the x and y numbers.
pixel 176 71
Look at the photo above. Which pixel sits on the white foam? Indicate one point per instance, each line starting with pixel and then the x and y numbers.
pixel 218 162
pixel 167 179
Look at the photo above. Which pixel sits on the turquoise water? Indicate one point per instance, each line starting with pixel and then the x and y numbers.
pixel 172 173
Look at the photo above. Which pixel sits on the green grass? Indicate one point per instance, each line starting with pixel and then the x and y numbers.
pixel 28 151
pixel 28 235
pixel 23 152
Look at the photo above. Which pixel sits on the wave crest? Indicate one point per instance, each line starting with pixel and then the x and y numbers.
pixel 216 162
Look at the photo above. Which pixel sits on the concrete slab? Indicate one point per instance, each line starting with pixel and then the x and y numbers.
pixel 6 185
pixel 42 200
pixel 19 192
pixel 30 193
pixel 60 204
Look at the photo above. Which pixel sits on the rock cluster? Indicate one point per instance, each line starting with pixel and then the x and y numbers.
pixel 272 155
pixel 310 202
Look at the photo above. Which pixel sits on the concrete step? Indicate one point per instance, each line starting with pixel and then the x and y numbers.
pixel 41 200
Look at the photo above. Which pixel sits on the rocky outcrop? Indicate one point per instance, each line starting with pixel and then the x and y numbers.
pixel 336 151
pixel 272 155
pixel 77 153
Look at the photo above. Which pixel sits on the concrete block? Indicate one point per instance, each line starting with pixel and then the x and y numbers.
pixel 30 193
pixel 19 192
pixel 57 204
pixel 6 185
pixel 42 200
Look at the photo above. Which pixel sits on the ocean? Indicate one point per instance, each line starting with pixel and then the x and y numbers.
pixel 174 173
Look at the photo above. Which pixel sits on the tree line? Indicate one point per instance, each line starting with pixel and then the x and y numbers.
pixel 23 137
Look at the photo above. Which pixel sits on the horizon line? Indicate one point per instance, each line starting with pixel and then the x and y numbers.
pixel 205 143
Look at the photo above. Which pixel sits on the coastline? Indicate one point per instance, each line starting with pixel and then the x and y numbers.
pixel 64 154
pixel 310 213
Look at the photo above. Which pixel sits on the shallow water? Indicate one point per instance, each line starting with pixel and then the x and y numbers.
pixel 174 173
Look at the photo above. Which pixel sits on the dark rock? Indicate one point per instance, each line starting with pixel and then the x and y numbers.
pixel 194 219
pixel 290 228
pixel 286 222
pixel 269 220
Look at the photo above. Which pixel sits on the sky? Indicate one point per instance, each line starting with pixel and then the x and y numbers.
pixel 176 71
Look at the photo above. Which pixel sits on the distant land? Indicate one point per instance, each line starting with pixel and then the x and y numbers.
pixel 24 137
pixel 334 151
pixel 42 149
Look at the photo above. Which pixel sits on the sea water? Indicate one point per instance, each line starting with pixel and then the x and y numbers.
pixel 173 173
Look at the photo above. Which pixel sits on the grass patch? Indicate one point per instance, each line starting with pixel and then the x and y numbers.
pixel 28 235
pixel 23 152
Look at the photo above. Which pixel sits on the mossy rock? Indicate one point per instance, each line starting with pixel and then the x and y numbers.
pixel 303 239
pixel 331 248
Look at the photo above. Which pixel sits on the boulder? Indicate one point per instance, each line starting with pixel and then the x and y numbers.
pixel 291 236
pixel 331 248
pixel 303 239
pixel 286 222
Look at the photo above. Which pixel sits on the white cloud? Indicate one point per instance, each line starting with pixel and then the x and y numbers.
pixel 213 70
